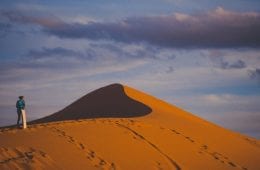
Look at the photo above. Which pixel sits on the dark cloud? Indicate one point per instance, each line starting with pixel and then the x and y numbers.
pixel 23 17
pixel 57 58
pixel 255 74
pixel 219 62
pixel 170 69
pixel 239 64
pixel 134 51
pixel 122 52
pixel 4 28
pixel 49 52
pixel 218 59
pixel 218 28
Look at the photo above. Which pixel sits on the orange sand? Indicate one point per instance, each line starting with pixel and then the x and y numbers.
pixel 165 138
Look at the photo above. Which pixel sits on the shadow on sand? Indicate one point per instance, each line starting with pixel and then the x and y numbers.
pixel 107 102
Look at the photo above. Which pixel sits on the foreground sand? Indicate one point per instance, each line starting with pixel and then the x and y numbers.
pixel 166 138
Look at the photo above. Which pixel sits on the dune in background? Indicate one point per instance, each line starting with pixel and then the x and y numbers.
pixel 118 127
pixel 110 101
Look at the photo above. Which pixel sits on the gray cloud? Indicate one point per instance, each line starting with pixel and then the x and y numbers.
pixel 218 28
pixel 170 69
pixel 61 60
pixel 30 18
pixel 58 56
pixel 123 51
pixel 57 51
pixel 55 60
pixel 255 74
pixel 4 28
pixel 239 64
pixel 219 62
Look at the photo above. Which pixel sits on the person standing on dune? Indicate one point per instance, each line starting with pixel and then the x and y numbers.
pixel 20 105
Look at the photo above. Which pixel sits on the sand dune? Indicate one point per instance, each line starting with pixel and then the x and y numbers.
pixel 117 127
pixel 109 101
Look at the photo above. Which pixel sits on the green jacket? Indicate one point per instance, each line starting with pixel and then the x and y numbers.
pixel 20 104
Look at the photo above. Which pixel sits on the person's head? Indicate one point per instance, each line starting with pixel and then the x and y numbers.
pixel 21 97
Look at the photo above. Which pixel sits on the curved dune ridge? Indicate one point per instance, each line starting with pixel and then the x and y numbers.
pixel 118 127
pixel 109 101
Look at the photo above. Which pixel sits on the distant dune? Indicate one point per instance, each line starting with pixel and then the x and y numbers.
pixel 110 101
pixel 118 127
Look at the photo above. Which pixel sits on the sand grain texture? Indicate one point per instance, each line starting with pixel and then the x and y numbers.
pixel 118 127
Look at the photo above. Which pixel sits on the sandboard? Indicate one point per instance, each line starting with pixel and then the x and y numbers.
pixel 24 119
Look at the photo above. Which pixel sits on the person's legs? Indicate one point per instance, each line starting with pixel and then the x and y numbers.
pixel 24 118
pixel 19 116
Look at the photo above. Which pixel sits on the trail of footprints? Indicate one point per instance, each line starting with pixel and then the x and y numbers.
pixel 126 123
pixel 18 157
pixel 96 160
pixel 173 162
pixel 219 157
pixel 203 149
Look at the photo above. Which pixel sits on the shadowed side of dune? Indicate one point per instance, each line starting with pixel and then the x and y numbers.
pixel 110 101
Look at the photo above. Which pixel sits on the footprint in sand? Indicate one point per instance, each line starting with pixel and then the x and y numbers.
pixel 96 160
pixel 149 143
pixel 252 142
pixel 81 146
pixel 188 138
pixel 25 158
pixel 159 166
pixel 219 157
pixel 174 131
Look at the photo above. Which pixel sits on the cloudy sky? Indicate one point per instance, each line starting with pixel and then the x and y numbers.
pixel 203 56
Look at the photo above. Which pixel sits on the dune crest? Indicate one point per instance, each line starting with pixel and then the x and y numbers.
pixel 110 101
pixel 118 127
